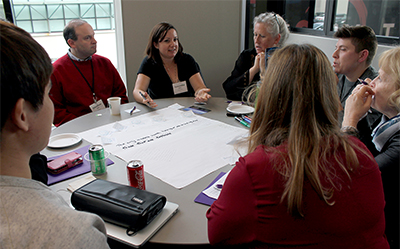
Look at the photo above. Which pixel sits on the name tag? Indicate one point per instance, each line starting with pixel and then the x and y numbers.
pixel 180 87
pixel 99 105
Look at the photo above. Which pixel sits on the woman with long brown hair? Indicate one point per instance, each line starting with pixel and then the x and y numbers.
pixel 303 182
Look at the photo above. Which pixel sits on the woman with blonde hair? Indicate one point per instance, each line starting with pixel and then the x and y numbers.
pixel 383 140
pixel 303 183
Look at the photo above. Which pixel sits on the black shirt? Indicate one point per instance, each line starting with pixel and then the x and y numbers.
pixel 160 84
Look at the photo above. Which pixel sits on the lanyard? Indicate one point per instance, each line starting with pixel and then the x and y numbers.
pixel 87 82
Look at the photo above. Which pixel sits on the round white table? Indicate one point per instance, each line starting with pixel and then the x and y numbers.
pixel 189 225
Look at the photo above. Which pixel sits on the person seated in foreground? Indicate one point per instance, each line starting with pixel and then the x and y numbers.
pixel 32 215
pixel 82 81
pixel 304 184
pixel 270 32
pixel 166 71
pixel 383 94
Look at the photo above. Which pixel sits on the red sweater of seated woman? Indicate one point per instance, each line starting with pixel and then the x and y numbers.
pixel 249 208
pixel 72 95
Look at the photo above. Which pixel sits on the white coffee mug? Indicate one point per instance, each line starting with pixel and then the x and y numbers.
pixel 114 105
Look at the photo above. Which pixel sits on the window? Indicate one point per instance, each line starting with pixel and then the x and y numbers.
pixel 45 21
pixel 324 17
pixel 39 16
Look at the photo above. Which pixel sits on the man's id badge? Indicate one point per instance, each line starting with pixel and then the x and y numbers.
pixel 180 87
pixel 98 105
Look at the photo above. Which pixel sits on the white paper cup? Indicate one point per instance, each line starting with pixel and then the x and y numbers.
pixel 114 104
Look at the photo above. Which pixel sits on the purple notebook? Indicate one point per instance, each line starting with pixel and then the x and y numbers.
pixel 75 171
pixel 204 199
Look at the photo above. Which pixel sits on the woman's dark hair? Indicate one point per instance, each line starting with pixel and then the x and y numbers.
pixel 157 34
pixel 25 69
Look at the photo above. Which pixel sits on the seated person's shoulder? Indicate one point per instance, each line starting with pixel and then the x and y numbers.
pixel 60 62
pixel 147 60
pixel 186 56
pixel 248 53
pixel 31 205
pixel 102 60
pixel 371 73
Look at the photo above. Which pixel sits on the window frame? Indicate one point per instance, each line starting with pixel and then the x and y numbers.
pixel 95 20
pixel 279 7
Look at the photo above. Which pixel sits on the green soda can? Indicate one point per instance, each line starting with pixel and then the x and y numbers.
pixel 97 159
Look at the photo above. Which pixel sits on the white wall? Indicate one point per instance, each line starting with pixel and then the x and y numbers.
pixel 328 45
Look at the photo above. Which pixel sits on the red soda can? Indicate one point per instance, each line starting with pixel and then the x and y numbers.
pixel 136 174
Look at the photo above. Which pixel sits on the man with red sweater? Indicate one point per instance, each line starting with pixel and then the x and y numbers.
pixel 82 81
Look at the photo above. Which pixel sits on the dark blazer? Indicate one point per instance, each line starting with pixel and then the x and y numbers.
pixel 345 88
pixel 238 81
pixel 388 160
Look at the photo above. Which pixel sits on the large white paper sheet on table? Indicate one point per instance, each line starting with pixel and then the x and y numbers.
pixel 175 146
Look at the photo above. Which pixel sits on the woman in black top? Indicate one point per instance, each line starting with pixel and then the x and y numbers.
pixel 270 31
pixel 168 72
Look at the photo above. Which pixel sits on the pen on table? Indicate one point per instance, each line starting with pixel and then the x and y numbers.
pixel 242 122
pixel 247 119
pixel 363 82
pixel 147 103
pixel 134 108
